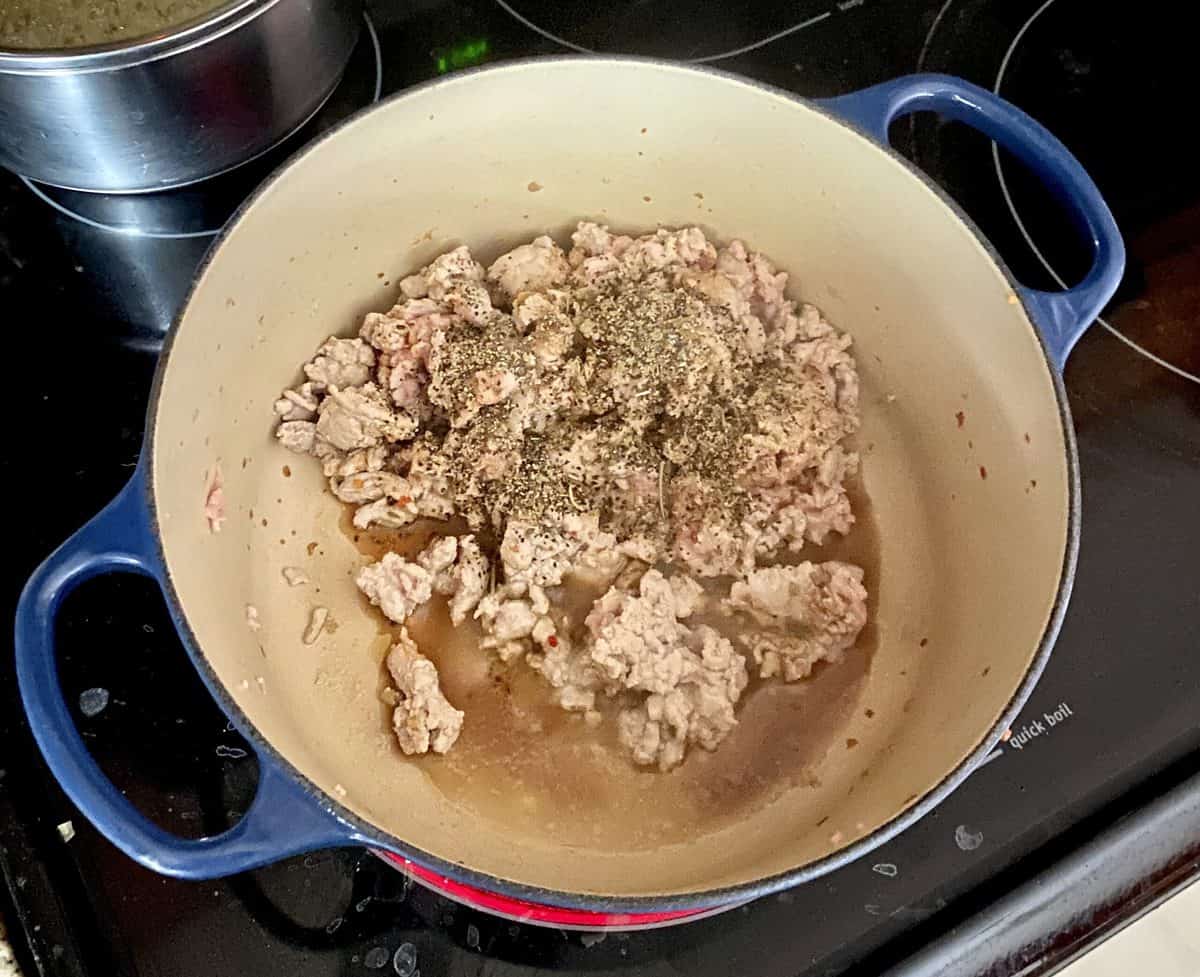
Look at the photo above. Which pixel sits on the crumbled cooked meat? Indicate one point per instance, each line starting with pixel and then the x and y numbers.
pixel 535 554
pixel 423 719
pixel 298 436
pixel 316 625
pixel 699 710
pixel 300 404
pixel 361 417
pixel 508 617
pixel 688 595
pixel 370 486
pixel 452 566
pixel 569 671
pixel 809 613
pixel 530 267
pixel 341 363
pixel 513 619
pixel 422 493
pixel 295 576
pixel 385 514
pixel 443 274
pixel 694 676
pixel 439 554
pixel 362 461
pixel 465 581
pixel 638 640
pixel 691 678
pixel 214 500
pixel 459 570
pixel 592 417
pixel 396 586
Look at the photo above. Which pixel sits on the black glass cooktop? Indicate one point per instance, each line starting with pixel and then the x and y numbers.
pixel 1090 812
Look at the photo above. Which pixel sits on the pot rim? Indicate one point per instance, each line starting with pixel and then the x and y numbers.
pixel 226 17
pixel 371 836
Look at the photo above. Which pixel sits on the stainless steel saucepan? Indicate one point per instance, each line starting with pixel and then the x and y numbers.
pixel 176 107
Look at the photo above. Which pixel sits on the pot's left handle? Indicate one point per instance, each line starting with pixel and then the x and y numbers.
pixel 1061 317
pixel 283 818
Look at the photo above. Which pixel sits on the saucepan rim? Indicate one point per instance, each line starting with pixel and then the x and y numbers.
pixel 226 17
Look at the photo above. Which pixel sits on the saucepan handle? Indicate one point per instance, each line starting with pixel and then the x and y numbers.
pixel 1061 317
pixel 284 819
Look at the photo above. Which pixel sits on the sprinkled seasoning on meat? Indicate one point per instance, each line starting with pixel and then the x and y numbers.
pixel 629 415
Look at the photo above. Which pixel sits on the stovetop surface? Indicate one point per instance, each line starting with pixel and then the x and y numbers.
pixel 1116 709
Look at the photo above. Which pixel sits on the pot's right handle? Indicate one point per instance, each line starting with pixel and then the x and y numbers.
pixel 1061 317
pixel 284 818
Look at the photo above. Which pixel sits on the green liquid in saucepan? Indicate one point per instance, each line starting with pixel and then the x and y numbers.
pixel 40 24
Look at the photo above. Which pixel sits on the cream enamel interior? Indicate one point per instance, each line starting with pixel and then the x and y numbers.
pixel 969 566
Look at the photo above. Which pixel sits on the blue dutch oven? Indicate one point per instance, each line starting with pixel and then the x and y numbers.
pixel 968 461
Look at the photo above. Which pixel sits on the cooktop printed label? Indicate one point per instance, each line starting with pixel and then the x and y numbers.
pixel 1033 729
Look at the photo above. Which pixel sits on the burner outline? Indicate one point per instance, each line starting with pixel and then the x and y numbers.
pixel 937 22
pixel 706 59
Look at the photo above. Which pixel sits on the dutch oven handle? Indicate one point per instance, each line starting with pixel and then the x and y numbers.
pixel 1061 317
pixel 284 819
